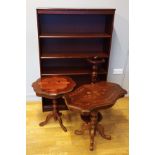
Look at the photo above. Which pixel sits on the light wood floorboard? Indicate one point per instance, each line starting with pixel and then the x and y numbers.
pixel 51 140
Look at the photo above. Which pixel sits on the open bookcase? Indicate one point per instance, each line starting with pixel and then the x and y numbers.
pixel 67 38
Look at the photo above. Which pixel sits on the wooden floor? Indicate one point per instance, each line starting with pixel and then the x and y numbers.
pixel 51 140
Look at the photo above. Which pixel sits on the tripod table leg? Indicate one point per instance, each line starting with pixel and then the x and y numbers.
pixel 100 129
pixel 47 119
pixel 60 122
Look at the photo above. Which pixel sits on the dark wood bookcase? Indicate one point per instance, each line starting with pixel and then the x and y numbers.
pixel 67 38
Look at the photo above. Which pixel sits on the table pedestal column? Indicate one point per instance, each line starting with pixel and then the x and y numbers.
pixel 91 123
pixel 56 115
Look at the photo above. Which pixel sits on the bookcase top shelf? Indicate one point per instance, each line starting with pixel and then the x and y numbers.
pixel 74 11
pixel 90 35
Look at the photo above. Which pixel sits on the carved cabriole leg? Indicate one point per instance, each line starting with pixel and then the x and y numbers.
pixel 60 122
pixel 57 115
pixel 80 131
pixel 92 130
pixel 84 126
pixel 100 129
pixel 47 119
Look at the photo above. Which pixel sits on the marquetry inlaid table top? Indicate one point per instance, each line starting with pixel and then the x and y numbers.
pixel 53 86
pixel 94 96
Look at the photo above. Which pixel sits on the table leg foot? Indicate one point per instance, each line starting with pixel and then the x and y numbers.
pixel 49 116
pixel 60 122
pixel 78 132
pixel 100 129
pixel 84 126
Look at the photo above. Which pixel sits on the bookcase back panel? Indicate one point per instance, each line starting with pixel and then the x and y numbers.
pixel 83 79
pixel 65 62
pixel 77 23
pixel 72 45
pixel 70 67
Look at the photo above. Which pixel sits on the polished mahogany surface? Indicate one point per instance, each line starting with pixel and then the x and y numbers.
pixel 53 85
pixel 94 96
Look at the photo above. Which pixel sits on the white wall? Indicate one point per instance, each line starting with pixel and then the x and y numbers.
pixel 120 42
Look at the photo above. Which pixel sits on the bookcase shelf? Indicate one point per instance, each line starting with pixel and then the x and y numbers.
pixel 67 38
pixel 73 55
pixel 69 71
pixel 77 35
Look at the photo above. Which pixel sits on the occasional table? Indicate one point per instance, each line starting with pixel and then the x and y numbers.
pixel 53 87
pixel 90 98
